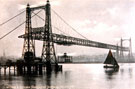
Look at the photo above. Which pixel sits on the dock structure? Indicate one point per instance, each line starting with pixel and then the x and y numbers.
pixel 22 68
pixel 7 67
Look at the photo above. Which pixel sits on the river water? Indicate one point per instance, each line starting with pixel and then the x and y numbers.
pixel 75 76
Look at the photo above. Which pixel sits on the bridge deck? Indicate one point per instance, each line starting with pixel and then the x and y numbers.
pixel 60 39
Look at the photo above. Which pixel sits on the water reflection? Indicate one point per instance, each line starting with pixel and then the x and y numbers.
pixel 67 76
pixel 122 71
pixel 29 82
pixel 130 70
pixel 53 80
pixel 92 76
pixel 40 82
pixel 111 72
pixel 3 84
pixel 48 80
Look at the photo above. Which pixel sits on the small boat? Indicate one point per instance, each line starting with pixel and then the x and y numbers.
pixel 110 61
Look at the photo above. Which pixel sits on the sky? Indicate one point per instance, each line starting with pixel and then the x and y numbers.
pixel 104 21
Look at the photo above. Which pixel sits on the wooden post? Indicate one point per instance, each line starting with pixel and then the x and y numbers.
pixel 24 69
pixel 44 68
pixel 14 69
pixel 9 70
pixel 32 69
pixel 4 70
pixel 36 69
pixel 0 69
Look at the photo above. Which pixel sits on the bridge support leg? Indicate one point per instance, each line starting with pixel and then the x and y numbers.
pixel 40 69
pixel 117 53
pixel 4 70
pixel 48 67
pixel 121 50
pixel 130 49
pixel 14 69
pixel 9 70
pixel 36 69
pixel 28 69
pixel 48 51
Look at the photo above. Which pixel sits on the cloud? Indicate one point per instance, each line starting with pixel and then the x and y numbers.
pixel 113 11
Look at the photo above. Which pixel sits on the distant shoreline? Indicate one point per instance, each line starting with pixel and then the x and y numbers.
pixel 90 62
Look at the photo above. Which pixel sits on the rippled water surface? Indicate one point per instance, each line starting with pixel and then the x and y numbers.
pixel 75 76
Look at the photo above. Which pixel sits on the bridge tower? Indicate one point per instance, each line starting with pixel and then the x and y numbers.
pixel 117 52
pixel 130 48
pixel 121 51
pixel 48 51
pixel 29 46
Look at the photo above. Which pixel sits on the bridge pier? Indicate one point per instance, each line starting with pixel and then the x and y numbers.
pixel 0 70
pixel 4 70
pixel 21 68
pixel 14 69
pixel 40 69
pixel 36 69
pixel 48 66
pixel 9 70
pixel 117 52
pixel 28 69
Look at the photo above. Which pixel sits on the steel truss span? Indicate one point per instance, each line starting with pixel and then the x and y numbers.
pixel 60 39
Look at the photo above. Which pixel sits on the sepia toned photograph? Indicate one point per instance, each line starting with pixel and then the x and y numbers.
pixel 67 44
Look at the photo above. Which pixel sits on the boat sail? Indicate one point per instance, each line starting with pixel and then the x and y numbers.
pixel 110 61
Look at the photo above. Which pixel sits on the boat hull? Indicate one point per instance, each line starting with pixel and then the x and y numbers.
pixel 106 66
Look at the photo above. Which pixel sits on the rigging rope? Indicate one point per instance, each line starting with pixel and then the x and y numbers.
pixel 11 18
pixel 17 27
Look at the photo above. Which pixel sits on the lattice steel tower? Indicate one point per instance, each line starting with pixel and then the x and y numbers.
pixel 29 45
pixel 48 51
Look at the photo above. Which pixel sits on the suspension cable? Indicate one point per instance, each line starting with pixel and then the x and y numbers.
pixel 39 16
pixel 60 30
pixel 17 27
pixel 52 25
pixel 69 25
pixel 12 18
pixel 12 30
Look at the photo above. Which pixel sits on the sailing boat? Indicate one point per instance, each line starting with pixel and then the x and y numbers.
pixel 110 61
